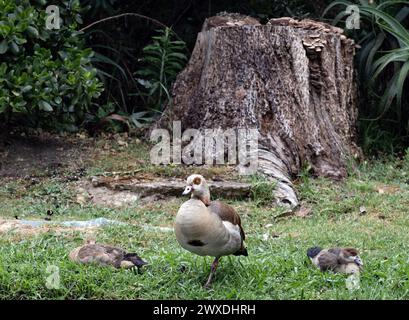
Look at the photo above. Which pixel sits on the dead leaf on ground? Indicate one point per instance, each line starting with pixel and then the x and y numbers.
pixel 122 143
pixel 387 189
pixel 267 236
pixel 81 199
pixel 285 214
pixel 303 212
pixel 293 235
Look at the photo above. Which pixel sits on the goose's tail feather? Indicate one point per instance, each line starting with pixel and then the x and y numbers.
pixel 241 252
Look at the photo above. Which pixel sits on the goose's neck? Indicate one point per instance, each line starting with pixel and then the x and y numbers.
pixel 203 196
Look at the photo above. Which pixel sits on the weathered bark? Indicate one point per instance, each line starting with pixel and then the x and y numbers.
pixel 292 80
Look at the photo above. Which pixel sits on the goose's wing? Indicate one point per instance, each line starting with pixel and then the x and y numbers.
pixel 327 260
pixel 336 251
pixel 114 254
pixel 227 213
pixel 114 251
pixel 101 254
pixel 344 252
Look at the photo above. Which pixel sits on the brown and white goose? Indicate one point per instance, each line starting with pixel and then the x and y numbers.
pixel 92 253
pixel 208 228
pixel 342 260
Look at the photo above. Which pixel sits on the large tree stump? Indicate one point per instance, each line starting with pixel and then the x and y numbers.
pixel 292 80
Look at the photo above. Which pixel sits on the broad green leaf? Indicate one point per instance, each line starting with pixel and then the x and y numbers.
pixel 382 63
pixel 32 31
pixel 3 46
pixel 403 75
pixel 44 105
pixel 178 55
pixel 26 88
pixel 376 46
pixel 14 47
pixel 389 23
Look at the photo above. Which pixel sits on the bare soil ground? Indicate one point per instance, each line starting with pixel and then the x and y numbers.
pixel 60 170
pixel 42 155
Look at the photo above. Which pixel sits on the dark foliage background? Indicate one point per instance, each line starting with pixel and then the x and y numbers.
pixel 119 43
pixel 123 39
pixel 137 56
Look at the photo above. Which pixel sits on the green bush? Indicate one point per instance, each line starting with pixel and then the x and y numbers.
pixel 383 63
pixel 46 78
pixel 163 59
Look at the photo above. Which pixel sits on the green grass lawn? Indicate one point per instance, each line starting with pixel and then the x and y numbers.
pixel 276 268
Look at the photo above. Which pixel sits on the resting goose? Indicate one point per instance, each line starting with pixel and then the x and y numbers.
pixel 342 260
pixel 92 253
pixel 208 228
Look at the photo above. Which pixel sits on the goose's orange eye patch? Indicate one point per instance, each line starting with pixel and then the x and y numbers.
pixel 197 180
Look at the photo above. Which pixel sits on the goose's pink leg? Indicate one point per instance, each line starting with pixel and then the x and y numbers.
pixel 212 272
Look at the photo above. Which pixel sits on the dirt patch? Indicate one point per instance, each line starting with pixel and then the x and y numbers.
pixel 105 197
pixel 41 155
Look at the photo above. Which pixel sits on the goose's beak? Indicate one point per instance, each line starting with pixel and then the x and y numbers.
pixel 140 262
pixel 188 189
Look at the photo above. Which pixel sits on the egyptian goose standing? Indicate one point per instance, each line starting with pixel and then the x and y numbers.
pixel 92 253
pixel 208 228
pixel 342 260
